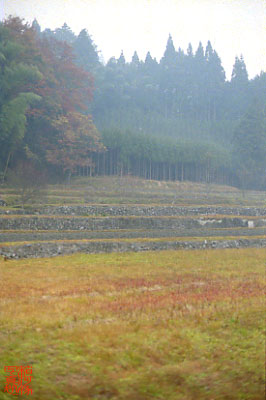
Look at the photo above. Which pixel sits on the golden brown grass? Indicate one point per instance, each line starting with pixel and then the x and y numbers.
pixel 138 326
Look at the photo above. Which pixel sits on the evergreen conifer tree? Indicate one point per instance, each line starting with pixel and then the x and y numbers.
pixel 239 73
pixel 199 76
pixel 214 82
pixel 199 55
pixel 35 25
pixel 86 52
pixel 190 50
pixel 135 60
pixel 238 96
pixel 121 60
pixel 169 58
pixel 208 51
pixel 250 146
pixel 47 33
pixel 150 63
pixel 65 34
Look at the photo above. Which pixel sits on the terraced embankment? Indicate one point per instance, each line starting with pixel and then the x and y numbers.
pixel 50 231
pixel 109 223
pixel 136 210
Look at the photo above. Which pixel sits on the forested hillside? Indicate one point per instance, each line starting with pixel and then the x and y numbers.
pixel 66 112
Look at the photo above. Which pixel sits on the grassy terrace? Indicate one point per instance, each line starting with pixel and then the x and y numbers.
pixel 141 239
pixel 130 190
pixel 167 325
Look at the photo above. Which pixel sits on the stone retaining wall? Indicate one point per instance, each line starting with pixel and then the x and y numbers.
pixel 104 210
pixel 109 223
pixel 28 236
pixel 52 249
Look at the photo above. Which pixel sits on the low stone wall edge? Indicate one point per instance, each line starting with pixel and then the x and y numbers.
pixel 52 249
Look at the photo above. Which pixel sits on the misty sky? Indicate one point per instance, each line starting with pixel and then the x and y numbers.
pixel 233 26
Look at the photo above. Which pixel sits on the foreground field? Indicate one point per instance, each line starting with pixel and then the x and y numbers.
pixel 166 325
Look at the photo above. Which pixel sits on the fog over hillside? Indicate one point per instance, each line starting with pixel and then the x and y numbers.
pixel 177 118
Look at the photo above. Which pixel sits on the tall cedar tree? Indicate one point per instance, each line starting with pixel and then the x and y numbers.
pixel 86 52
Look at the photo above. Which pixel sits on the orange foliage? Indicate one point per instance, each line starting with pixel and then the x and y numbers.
pixel 78 138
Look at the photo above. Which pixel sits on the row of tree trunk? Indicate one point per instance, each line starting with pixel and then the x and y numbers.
pixel 109 163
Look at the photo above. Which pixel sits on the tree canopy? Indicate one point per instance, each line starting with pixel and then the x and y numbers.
pixel 175 118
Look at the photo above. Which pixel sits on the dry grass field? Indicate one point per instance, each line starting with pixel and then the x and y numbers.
pixel 167 325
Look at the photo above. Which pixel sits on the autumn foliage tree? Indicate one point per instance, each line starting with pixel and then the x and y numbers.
pixel 67 134
pixel 44 115
pixel 75 143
